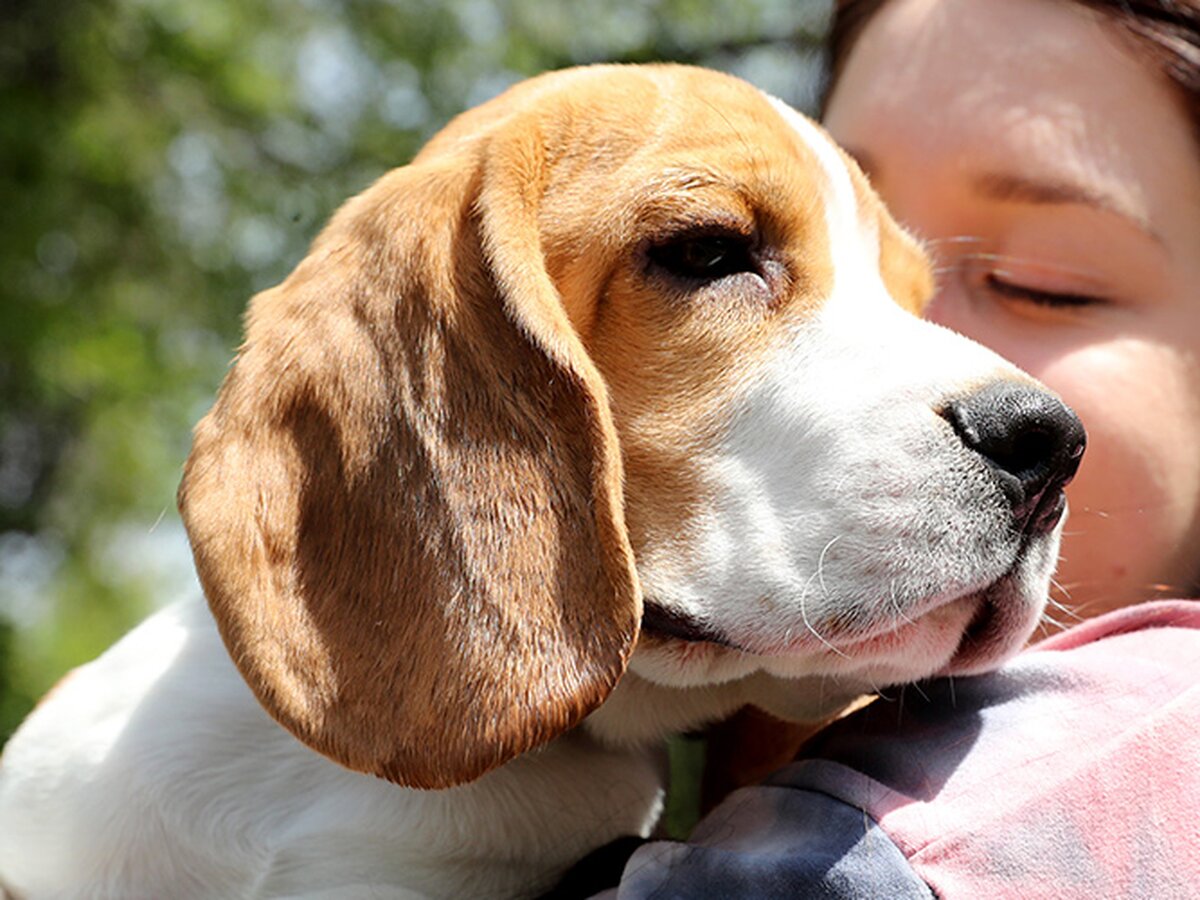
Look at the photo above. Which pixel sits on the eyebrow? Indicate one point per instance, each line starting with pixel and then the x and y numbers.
pixel 1003 187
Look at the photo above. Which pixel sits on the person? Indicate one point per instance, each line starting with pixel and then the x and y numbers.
pixel 1046 151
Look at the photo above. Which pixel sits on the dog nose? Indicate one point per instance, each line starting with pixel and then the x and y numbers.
pixel 1032 443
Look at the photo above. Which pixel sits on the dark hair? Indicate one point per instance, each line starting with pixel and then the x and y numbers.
pixel 1169 30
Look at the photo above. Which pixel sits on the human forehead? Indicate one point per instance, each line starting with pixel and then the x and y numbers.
pixel 991 85
pixel 983 67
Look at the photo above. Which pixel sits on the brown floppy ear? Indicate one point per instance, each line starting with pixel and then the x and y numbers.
pixel 405 506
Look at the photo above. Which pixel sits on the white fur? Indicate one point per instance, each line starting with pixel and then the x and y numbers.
pixel 157 757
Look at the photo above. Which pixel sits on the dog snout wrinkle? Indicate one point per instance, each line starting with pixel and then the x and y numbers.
pixel 1031 441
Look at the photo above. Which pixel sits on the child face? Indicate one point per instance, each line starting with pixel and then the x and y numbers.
pixel 1056 179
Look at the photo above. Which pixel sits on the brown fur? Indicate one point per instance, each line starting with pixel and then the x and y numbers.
pixel 405 505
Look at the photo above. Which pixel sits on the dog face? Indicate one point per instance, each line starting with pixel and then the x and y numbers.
pixel 624 345
pixel 796 497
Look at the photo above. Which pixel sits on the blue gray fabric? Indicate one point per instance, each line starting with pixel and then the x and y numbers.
pixel 776 841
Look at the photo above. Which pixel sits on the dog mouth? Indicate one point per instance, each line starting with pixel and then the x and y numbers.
pixel 998 620
pixel 666 624
pixel 1005 619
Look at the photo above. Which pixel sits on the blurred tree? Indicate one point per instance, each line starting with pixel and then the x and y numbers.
pixel 160 160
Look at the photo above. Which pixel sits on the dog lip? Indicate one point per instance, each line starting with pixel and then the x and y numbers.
pixel 666 623
pixel 998 630
pixel 892 633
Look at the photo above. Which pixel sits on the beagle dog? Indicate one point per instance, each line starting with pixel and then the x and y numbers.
pixel 607 415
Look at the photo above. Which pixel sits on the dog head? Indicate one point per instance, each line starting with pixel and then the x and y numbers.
pixel 622 345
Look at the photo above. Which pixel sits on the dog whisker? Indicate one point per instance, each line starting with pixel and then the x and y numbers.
pixel 917 687
pixel 804 616
pixel 952 239
pixel 897 606
pixel 1135 508
pixel 821 565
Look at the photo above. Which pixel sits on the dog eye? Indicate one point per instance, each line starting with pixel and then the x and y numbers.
pixel 704 257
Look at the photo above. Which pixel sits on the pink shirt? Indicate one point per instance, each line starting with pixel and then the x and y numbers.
pixel 1073 772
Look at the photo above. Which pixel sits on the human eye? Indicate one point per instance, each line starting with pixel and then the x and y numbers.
pixel 1008 288
pixel 1032 285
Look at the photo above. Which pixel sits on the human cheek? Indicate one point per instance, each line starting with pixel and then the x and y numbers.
pixel 1143 391
pixel 1126 393
pixel 955 308
pixel 1134 506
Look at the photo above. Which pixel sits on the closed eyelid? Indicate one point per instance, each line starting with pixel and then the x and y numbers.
pixel 996 282
pixel 1042 281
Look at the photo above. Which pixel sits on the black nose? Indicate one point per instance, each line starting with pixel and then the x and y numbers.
pixel 1031 441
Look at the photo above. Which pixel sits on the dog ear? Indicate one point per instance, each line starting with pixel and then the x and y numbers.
pixel 405 505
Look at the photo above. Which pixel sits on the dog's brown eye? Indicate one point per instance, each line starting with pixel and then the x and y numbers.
pixel 704 257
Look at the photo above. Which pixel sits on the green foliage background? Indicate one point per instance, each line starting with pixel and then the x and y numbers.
pixel 161 160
